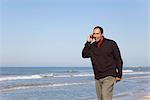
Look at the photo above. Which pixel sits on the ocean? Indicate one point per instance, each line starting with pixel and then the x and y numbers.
pixel 69 83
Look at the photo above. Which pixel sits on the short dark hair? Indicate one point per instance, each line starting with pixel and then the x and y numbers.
pixel 101 29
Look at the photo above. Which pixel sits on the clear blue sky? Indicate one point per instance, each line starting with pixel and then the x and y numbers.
pixel 53 32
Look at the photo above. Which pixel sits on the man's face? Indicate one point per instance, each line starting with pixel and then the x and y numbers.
pixel 97 34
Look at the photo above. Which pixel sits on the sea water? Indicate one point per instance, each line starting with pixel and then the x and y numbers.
pixel 69 83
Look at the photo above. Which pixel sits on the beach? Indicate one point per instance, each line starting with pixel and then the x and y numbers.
pixel 69 83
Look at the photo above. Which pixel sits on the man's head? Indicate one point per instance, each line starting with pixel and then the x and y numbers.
pixel 97 33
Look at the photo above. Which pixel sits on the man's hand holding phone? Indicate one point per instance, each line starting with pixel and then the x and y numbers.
pixel 90 38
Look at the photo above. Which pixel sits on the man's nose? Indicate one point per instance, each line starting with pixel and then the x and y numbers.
pixel 94 35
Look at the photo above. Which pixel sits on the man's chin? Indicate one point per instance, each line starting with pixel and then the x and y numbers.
pixel 97 39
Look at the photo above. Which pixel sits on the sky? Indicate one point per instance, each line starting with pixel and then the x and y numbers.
pixel 53 32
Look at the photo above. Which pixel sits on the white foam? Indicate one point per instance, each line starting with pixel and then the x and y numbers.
pixel 47 75
pixel 19 77
pixel 25 77
pixel 138 73
pixel 127 71
pixel 75 75
pixel 81 75
pixel 136 66
pixel 133 72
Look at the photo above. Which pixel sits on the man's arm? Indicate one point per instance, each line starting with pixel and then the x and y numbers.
pixel 118 59
pixel 86 50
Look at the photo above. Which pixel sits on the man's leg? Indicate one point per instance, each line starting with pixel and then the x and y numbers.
pixel 98 85
pixel 107 87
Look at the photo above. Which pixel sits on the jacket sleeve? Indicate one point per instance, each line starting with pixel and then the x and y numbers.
pixel 86 50
pixel 118 59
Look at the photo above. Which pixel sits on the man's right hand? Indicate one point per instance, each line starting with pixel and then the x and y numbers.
pixel 118 79
pixel 90 39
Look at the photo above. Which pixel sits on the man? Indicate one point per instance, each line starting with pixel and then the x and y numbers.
pixel 106 61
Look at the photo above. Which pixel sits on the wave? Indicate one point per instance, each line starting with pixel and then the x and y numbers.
pixel 81 75
pixel 137 66
pixel 134 72
pixel 137 73
pixel 40 86
pixel 128 71
pixel 38 76
pixel 25 77
pixel 60 75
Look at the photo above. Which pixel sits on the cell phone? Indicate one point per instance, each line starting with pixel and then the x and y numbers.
pixel 92 36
